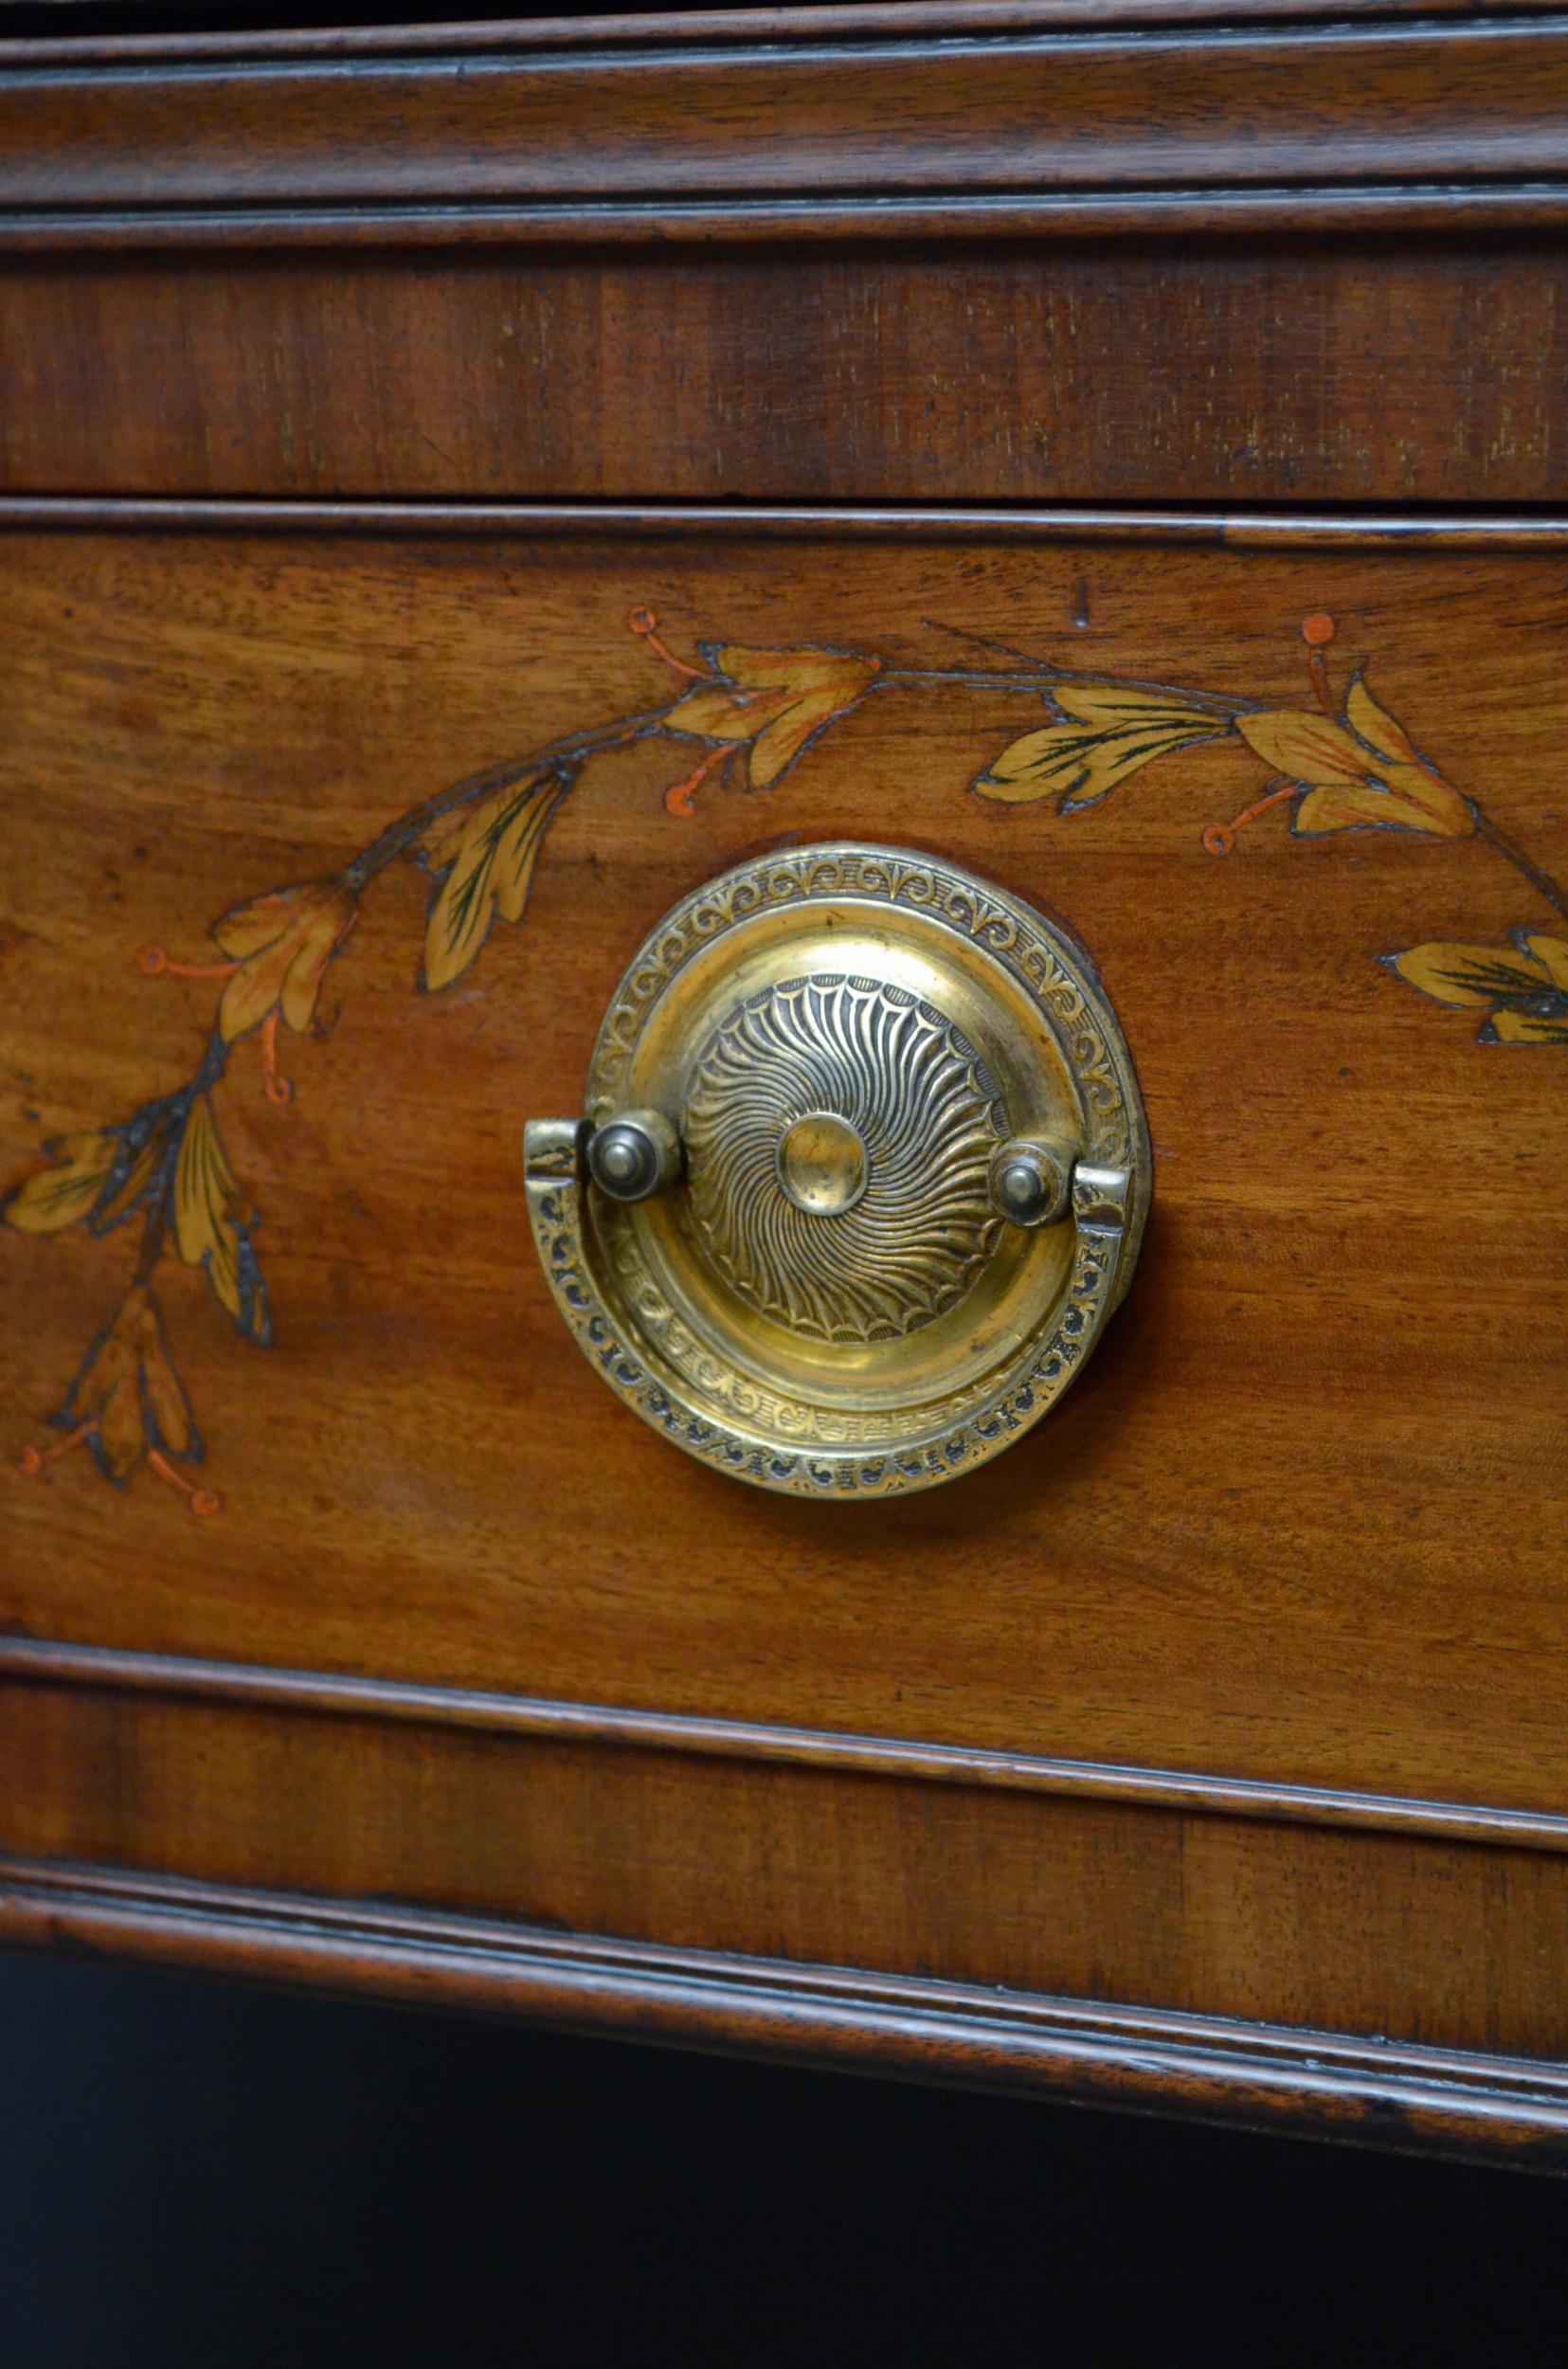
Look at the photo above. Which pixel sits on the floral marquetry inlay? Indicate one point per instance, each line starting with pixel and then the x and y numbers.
pixel 1338 762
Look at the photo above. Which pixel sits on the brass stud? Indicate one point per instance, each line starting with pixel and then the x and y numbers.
pixel 633 1155
pixel 1032 1181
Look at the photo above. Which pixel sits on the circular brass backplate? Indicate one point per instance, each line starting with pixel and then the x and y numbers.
pixel 833 1299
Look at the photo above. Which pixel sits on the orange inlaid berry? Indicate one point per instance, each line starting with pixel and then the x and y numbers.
pixel 34 1462
pixel 679 797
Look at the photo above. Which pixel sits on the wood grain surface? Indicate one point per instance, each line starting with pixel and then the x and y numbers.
pixel 1289 372
pixel 1445 1943
pixel 1289 1526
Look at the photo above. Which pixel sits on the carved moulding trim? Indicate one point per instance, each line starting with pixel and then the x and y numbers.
pixel 1245 528
pixel 1033 125
pixel 1297 209
pixel 707 28
pixel 188 1678
pixel 1394 2096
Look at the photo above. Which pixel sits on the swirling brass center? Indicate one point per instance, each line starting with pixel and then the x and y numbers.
pixel 821 1163
pixel 838 1134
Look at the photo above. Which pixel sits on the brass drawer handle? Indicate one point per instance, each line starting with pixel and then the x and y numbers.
pixel 863 1172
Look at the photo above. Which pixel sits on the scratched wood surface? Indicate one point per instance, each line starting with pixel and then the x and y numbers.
pixel 1291 1523
pixel 1275 368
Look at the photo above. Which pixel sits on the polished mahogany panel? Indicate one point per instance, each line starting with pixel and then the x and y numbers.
pixel 1270 366
pixel 1287 1527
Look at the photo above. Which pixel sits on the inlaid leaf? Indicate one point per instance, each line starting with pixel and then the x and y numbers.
pixel 484 863
pixel 163 1394
pixel 134 1171
pixel 1106 731
pixel 1371 721
pixel 117 1436
pixel 67 1191
pixel 104 1396
pixel 209 1228
pixel 1523 988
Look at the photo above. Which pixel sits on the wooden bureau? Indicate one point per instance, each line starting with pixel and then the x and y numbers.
pixel 466 488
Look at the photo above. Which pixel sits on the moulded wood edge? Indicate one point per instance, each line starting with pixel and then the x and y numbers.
pixel 255 1685
pixel 1300 210
pixel 869 19
pixel 1256 2076
pixel 1258 529
pixel 653 133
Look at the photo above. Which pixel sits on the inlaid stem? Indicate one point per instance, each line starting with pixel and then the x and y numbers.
pixel 1525 865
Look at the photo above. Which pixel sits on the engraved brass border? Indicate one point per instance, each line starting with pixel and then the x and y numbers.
pixel 1037 955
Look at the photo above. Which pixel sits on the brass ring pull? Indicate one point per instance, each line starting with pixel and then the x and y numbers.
pixel 862 1174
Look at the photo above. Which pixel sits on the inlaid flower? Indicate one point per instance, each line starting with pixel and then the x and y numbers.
pixel 1360 771
pixel 128 1396
pixel 280 945
pixel 1523 989
pixel 128 1407
pixel 771 702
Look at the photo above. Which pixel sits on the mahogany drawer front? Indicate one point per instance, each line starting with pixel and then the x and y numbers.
pixel 1310 1446
pixel 1205 1747
pixel 1286 1531
pixel 757 258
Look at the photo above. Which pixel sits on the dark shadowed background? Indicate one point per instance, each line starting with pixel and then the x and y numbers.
pixel 193 2173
